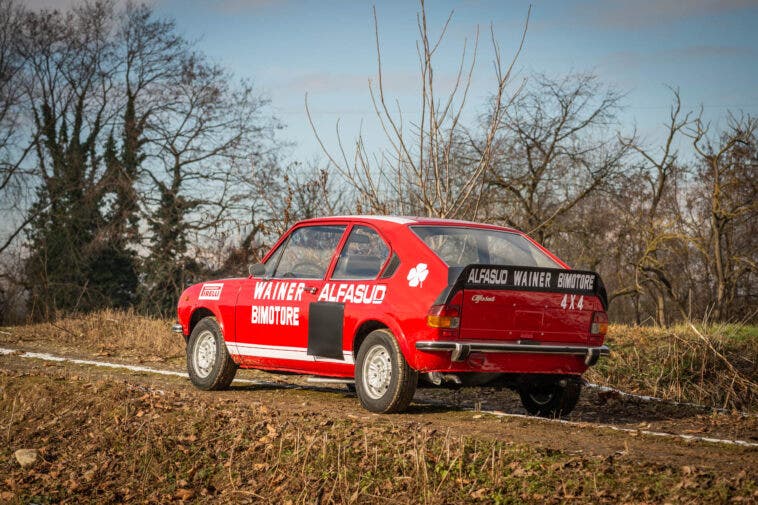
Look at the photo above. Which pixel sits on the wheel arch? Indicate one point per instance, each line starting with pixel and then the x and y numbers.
pixel 197 315
pixel 369 325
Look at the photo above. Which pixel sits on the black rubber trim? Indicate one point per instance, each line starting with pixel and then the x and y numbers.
pixel 325 321
pixel 392 267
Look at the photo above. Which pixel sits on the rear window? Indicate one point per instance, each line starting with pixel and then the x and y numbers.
pixel 461 246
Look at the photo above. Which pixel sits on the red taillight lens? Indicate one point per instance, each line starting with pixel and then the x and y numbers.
pixel 444 316
pixel 599 323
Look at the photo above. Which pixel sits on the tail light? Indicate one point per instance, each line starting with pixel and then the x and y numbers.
pixel 446 317
pixel 599 323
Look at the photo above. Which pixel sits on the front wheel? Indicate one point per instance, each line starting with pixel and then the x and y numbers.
pixel 209 365
pixel 384 381
pixel 549 396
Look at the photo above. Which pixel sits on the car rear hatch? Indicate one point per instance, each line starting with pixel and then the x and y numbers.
pixel 528 304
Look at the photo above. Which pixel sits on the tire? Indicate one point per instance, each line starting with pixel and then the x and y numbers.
pixel 384 381
pixel 549 396
pixel 208 362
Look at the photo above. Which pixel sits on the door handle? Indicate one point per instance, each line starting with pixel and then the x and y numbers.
pixel 311 289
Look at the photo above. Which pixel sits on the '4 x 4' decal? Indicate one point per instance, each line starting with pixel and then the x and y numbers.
pixel 571 302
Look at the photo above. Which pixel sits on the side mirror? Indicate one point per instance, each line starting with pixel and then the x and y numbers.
pixel 256 269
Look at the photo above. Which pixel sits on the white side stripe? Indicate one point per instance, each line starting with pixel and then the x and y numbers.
pixel 283 352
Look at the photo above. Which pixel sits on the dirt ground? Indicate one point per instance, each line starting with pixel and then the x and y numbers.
pixel 704 471
pixel 595 406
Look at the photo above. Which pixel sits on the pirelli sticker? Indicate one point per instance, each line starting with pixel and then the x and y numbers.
pixel 530 279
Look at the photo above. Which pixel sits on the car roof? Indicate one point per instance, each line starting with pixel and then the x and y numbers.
pixel 406 221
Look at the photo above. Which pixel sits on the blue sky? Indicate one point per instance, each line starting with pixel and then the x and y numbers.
pixel 709 49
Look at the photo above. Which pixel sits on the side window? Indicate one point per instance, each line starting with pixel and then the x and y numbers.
pixel 273 261
pixel 308 251
pixel 362 256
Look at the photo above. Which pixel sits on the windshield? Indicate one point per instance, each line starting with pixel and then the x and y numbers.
pixel 460 246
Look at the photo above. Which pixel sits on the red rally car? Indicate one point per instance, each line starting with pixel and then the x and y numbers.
pixel 396 303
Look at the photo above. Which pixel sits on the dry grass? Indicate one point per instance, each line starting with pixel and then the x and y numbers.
pixel 114 442
pixel 122 333
pixel 713 365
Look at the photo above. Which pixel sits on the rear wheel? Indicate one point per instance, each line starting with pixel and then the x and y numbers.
pixel 549 396
pixel 384 381
pixel 208 363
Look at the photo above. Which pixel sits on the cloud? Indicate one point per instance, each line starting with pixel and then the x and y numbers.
pixel 241 6
pixel 634 14
pixel 394 82
pixel 680 54
pixel 705 51
pixel 322 82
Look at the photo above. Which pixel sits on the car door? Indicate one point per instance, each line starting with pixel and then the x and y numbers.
pixel 352 295
pixel 273 311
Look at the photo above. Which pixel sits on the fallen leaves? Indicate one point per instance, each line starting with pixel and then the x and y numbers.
pixel 109 446
pixel 184 494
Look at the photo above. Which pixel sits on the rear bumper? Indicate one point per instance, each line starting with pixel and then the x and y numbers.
pixel 177 328
pixel 460 351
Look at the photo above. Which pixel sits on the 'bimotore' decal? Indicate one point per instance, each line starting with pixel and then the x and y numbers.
pixel 418 275
pixel 211 291
pixel 280 315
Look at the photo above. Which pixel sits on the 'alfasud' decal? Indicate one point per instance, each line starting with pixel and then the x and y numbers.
pixel 418 275
pixel 352 293
pixel 211 291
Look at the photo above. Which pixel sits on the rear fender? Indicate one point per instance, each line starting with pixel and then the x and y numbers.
pixel 369 325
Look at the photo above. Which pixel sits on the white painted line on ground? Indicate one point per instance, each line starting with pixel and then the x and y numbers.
pixel 662 400
pixel 497 413
pixel 106 364
pixel 742 443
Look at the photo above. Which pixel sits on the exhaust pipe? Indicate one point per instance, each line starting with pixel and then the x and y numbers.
pixel 438 378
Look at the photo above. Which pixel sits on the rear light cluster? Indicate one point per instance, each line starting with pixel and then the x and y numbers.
pixel 599 323
pixel 446 317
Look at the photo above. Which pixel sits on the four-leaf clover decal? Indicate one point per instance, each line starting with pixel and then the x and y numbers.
pixel 417 275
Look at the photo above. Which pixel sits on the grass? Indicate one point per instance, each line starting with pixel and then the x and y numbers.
pixel 116 442
pixel 116 332
pixel 715 365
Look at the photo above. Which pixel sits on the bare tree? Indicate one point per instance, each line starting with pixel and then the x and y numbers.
pixel 200 143
pixel 653 219
pixel 138 144
pixel 68 84
pixel 729 168
pixel 555 147
pixel 12 149
pixel 427 169
pixel 15 141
